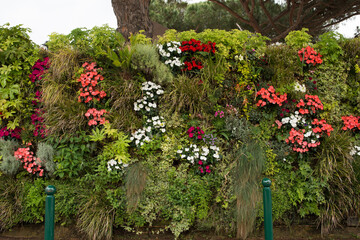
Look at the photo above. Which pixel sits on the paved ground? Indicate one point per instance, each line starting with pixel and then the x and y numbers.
pixel 35 232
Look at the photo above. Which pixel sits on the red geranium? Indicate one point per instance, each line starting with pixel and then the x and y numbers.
pixel 309 56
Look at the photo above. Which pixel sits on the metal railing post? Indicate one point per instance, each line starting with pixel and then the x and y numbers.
pixel 268 224
pixel 50 212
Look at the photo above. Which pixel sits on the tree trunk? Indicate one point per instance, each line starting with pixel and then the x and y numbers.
pixel 132 16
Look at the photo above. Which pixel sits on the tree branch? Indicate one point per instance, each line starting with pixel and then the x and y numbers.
pixel 252 20
pixel 231 11
pixel 268 16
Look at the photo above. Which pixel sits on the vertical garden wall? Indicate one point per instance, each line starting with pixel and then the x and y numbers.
pixel 178 133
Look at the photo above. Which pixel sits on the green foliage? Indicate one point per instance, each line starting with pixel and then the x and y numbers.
pixel 298 189
pixel 135 184
pixel 73 156
pixel 146 59
pixel 168 13
pixel 17 55
pixel 57 42
pixel 238 127
pixel 249 164
pixel 330 79
pixel 9 164
pixel 46 154
pixel 283 64
pixel 68 200
pixel 228 43
pixel 116 149
pixel 186 95
pixel 298 39
pixel 95 217
pixel 64 114
pixel 34 207
pixel 329 46
pixel 342 189
pixel 11 202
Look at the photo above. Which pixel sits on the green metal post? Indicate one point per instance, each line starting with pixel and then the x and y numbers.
pixel 267 209
pixel 50 212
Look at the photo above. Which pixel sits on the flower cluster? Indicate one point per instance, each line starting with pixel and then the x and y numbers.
pixel 230 109
pixel 89 80
pixel 152 126
pixel 294 119
pixel 200 157
pixel 148 106
pixel 221 114
pixel 310 56
pixel 300 88
pixel 181 56
pixel 37 99
pixel 297 139
pixel 302 128
pixel 351 122
pixel 310 105
pixel 97 116
pixel 141 136
pixel 270 96
pixel 156 123
pixel 89 91
pixel 189 48
pixel 10 133
pixel 30 162
pixel 322 127
pixel 355 151
pixel 37 120
pixel 192 131
pixel 196 46
pixel 192 65
pixel 39 69
pixel 113 165
pixel 170 54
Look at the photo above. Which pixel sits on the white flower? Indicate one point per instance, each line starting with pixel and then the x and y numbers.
pixel 299 87
pixel 187 149
pixel 352 152
pixel 162 130
pixel 179 151
pixel 183 156
pixel 203 158
pixel 308 134
pixel 216 155
pixel 141 106
pixel 285 120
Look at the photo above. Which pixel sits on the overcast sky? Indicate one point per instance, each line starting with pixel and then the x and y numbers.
pixel 46 16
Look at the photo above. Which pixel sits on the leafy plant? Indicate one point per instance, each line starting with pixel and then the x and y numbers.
pixel 298 39
pixel 72 156
pixel 9 164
